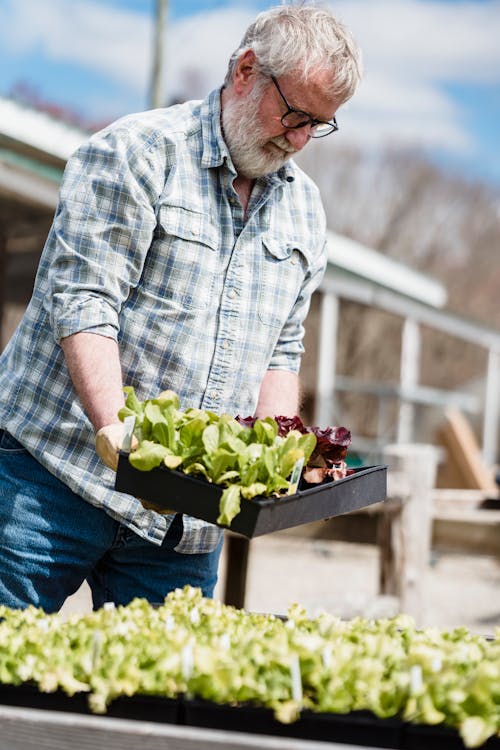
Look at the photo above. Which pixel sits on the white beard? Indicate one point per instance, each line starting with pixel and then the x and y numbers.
pixel 248 145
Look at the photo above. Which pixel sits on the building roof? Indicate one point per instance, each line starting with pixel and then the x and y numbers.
pixel 34 147
pixel 38 130
pixel 356 259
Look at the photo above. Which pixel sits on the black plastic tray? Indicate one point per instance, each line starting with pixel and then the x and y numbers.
pixel 138 707
pixel 359 727
pixel 423 737
pixel 170 489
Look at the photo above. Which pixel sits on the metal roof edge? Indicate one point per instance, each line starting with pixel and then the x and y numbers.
pixel 364 262
pixel 373 295
pixel 39 130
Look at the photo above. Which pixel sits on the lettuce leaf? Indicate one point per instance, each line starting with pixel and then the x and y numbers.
pixel 246 460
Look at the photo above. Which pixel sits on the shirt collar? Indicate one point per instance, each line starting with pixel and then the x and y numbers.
pixel 215 150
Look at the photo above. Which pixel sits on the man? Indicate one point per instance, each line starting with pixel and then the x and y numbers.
pixel 183 255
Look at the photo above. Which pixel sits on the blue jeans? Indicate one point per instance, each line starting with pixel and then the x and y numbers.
pixel 51 540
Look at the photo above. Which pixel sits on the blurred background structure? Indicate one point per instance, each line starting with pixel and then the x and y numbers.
pixel 403 338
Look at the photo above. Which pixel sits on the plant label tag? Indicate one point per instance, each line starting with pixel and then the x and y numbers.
pixel 128 431
pixel 295 475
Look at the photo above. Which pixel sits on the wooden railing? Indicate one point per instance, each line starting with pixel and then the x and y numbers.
pixel 414 517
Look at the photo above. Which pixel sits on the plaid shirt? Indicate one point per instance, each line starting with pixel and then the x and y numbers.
pixel 150 246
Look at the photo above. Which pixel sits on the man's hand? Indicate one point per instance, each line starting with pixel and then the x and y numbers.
pixel 108 442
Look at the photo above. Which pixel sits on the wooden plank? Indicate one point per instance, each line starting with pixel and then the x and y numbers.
pixel 458 500
pixel 468 516
pixel 472 532
pixel 464 466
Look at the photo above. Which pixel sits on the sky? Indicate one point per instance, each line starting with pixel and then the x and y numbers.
pixel 431 80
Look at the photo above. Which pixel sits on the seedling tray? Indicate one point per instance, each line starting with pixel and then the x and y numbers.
pixel 359 727
pixel 138 707
pixel 170 489
pixel 427 737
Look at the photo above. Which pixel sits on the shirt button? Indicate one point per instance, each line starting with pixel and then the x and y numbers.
pixel 225 344
pixel 231 294
pixel 214 394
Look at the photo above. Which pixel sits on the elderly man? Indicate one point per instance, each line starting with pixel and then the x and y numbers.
pixel 183 255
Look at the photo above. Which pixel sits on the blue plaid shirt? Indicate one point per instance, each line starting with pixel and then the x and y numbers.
pixel 150 246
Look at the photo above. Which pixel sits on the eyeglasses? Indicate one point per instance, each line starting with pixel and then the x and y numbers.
pixel 296 118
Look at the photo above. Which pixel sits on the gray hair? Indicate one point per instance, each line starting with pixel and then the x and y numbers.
pixel 302 39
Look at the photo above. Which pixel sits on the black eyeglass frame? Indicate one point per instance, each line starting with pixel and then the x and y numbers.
pixel 309 120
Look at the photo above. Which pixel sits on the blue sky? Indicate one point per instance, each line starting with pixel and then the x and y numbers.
pixel 432 67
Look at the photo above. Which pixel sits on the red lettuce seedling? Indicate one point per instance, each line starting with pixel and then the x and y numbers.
pixel 328 458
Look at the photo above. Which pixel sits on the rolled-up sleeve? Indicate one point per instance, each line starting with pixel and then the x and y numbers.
pixel 102 231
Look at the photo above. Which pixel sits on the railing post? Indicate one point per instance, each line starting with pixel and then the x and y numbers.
pixel 327 349
pixel 237 552
pixel 410 537
pixel 409 377
pixel 491 408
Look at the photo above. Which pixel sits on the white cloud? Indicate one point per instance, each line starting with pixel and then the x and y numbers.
pixel 411 49
pixel 118 42
pixel 386 109
pixel 100 38
pixel 427 40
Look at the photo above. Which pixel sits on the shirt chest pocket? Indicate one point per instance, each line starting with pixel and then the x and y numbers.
pixel 187 244
pixel 283 269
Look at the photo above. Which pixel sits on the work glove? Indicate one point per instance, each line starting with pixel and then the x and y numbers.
pixel 108 443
